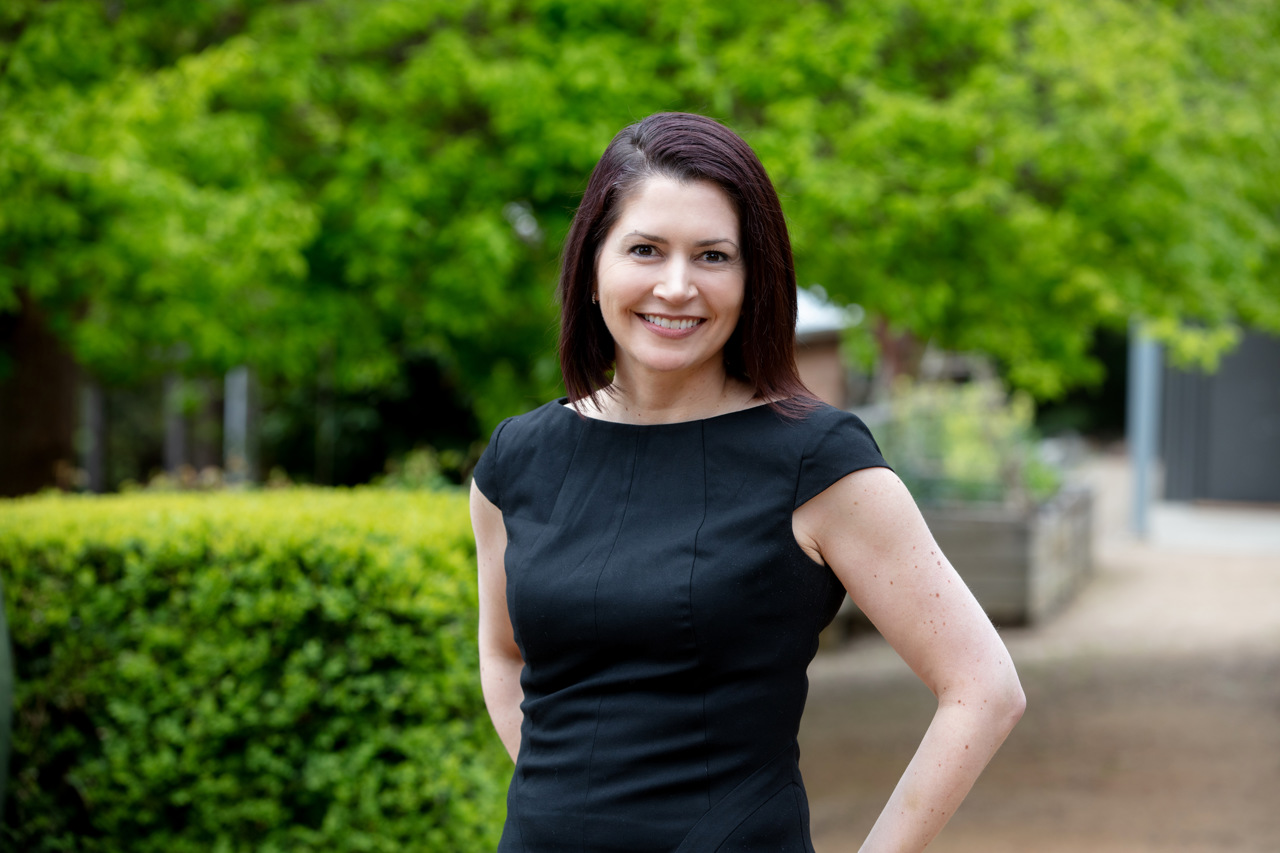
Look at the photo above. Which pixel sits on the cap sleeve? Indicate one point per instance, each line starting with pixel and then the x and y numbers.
pixel 487 475
pixel 840 445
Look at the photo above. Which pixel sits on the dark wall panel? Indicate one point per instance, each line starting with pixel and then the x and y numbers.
pixel 1221 431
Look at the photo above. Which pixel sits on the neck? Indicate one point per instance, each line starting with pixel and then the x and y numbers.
pixel 659 400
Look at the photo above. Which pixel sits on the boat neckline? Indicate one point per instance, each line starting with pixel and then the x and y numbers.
pixel 563 403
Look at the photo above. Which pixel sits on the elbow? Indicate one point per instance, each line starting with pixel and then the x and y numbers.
pixel 996 709
pixel 1003 703
pixel 1014 704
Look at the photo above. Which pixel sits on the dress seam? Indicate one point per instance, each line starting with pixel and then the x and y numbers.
pixel 595 626
pixel 802 806
pixel 695 836
pixel 591 758
pixel 693 621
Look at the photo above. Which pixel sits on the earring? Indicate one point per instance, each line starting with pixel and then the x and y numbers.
pixel 595 299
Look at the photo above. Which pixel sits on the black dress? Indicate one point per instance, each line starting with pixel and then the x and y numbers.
pixel 666 616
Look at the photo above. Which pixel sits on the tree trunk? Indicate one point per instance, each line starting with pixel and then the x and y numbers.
pixel 38 397
pixel 900 355
pixel 326 426
pixel 95 437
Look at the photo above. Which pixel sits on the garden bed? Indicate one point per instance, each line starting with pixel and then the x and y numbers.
pixel 1022 565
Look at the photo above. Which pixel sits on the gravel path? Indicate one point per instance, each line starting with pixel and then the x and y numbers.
pixel 1153 718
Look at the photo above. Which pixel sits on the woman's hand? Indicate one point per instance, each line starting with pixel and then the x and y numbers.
pixel 867 528
pixel 500 659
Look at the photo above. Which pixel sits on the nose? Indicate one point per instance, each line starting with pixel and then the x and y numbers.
pixel 675 283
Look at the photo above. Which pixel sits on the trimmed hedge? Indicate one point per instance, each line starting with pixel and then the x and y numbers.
pixel 269 671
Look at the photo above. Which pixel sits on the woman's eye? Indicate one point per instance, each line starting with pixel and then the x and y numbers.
pixel 716 257
pixel 642 250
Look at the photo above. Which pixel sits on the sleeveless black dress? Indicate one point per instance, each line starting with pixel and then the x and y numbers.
pixel 666 616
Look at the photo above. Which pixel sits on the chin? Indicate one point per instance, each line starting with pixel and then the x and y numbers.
pixel 659 364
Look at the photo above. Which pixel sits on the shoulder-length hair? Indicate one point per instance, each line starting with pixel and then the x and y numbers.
pixel 686 147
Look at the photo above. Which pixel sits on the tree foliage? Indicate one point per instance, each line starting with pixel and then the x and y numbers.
pixel 327 189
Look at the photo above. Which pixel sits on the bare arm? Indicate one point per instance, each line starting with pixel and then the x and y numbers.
pixel 868 529
pixel 500 660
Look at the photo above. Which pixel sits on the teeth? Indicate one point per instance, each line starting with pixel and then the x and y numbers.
pixel 671 324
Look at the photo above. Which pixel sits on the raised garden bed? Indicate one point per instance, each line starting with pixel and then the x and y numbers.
pixel 1021 564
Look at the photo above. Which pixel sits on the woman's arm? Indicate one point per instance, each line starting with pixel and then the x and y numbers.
pixel 500 660
pixel 869 530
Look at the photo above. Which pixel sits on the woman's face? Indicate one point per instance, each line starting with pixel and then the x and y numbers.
pixel 670 278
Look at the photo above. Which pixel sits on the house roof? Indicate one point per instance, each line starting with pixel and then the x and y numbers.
pixel 819 317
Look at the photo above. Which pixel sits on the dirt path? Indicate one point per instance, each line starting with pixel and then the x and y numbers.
pixel 1153 719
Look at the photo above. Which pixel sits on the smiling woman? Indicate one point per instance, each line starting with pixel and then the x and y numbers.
pixel 651 174
pixel 659 550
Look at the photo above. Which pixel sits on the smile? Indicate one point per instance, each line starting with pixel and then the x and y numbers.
pixel 666 323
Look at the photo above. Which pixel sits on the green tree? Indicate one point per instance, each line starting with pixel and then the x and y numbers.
pixel 138 224
pixel 330 190
pixel 1009 176
pixel 144 220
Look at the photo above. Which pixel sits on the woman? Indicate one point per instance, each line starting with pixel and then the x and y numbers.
pixel 658 551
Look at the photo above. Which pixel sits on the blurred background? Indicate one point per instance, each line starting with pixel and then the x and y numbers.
pixel 252 241
pixel 248 244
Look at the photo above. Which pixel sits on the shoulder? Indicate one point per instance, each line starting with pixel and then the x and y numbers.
pixel 834 443
pixel 824 418
pixel 809 421
pixel 516 440
pixel 549 417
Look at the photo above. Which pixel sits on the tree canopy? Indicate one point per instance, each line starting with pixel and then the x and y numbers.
pixel 326 189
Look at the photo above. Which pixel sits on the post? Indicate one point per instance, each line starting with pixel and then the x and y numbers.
pixel 1142 421
pixel 236 451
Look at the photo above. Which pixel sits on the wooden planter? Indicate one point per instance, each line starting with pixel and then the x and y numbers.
pixel 1021 565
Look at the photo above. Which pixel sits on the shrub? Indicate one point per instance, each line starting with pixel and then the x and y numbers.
pixel 966 442
pixel 271 671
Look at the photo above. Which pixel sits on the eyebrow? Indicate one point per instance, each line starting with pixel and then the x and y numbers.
pixel 653 238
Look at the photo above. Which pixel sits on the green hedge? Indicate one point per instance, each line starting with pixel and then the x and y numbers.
pixel 270 671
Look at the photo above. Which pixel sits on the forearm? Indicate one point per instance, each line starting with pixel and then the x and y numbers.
pixel 500 681
pixel 964 735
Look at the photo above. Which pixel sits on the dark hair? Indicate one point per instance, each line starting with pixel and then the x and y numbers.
pixel 686 147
